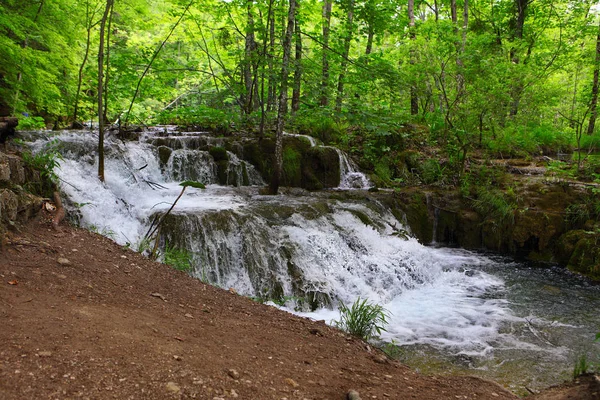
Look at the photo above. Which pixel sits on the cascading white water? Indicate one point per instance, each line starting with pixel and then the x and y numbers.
pixel 287 247
pixel 350 176
pixel 309 250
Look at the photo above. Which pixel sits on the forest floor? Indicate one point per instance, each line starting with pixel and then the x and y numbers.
pixel 82 317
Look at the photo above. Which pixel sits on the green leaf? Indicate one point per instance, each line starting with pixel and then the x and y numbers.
pixel 193 184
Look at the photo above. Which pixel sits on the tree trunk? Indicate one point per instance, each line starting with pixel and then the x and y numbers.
pixel 298 67
pixel 325 67
pixel 89 26
pixel 453 12
pixel 107 74
pixel 271 54
pixel 282 109
pixel 261 130
pixel 414 100
pixel 519 22
pixel 250 49
pixel 460 79
pixel 370 36
pixel 594 101
pixel 344 63
pixel 109 4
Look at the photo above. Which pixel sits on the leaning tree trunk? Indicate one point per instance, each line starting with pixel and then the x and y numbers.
pixel 594 101
pixel 109 4
pixel 344 64
pixel 282 109
pixel 297 68
pixel 325 67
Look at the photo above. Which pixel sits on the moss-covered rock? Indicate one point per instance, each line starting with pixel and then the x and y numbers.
pixel 164 153
pixel 218 153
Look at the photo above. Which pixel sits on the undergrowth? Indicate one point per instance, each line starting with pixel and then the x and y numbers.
pixel 362 319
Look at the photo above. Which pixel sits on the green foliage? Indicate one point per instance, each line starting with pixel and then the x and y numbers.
pixel 200 117
pixel 180 259
pixel 392 350
pixel 363 319
pixel 102 230
pixel 292 165
pixel 45 162
pixel 494 205
pixel 431 171
pixel 519 141
pixel 319 124
pixel 582 366
pixel 194 184
pixel 31 123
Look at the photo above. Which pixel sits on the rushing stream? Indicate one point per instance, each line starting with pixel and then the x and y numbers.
pixel 450 309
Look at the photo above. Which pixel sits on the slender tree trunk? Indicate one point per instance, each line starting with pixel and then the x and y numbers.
pixel 297 67
pixel 519 21
pixel 250 50
pixel 460 79
pixel 89 26
pixel 370 37
pixel 261 131
pixel 594 101
pixel 287 44
pixel 414 100
pixel 107 74
pixel 345 55
pixel 109 4
pixel 453 12
pixel 271 61
pixel 325 67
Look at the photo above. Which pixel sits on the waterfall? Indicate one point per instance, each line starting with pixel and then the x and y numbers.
pixel 310 252
pixel 350 176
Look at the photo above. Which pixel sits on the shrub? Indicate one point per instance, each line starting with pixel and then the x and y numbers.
pixel 363 319
pixel 45 161
pixel 31 123
pixel 493 204
pixel 581 366
pixel 180 259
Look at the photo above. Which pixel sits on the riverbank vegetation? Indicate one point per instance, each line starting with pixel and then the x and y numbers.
pixel 418 93
pixel 381 79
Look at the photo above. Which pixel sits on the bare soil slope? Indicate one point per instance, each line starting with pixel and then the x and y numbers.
pixel 81 317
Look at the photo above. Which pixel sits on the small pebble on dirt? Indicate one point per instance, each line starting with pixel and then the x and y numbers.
pixel 291 382
pixel 173 387
pixel 63 261
pixel 353 395
pixel 233 374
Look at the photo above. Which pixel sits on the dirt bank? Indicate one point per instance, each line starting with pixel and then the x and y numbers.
pixel 84 318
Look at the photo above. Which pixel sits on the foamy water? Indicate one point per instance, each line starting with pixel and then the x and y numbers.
pixel 341 249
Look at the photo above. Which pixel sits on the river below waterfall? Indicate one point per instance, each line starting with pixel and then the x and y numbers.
pixel 451 310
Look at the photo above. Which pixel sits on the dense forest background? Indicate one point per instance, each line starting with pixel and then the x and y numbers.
pixel 504 77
